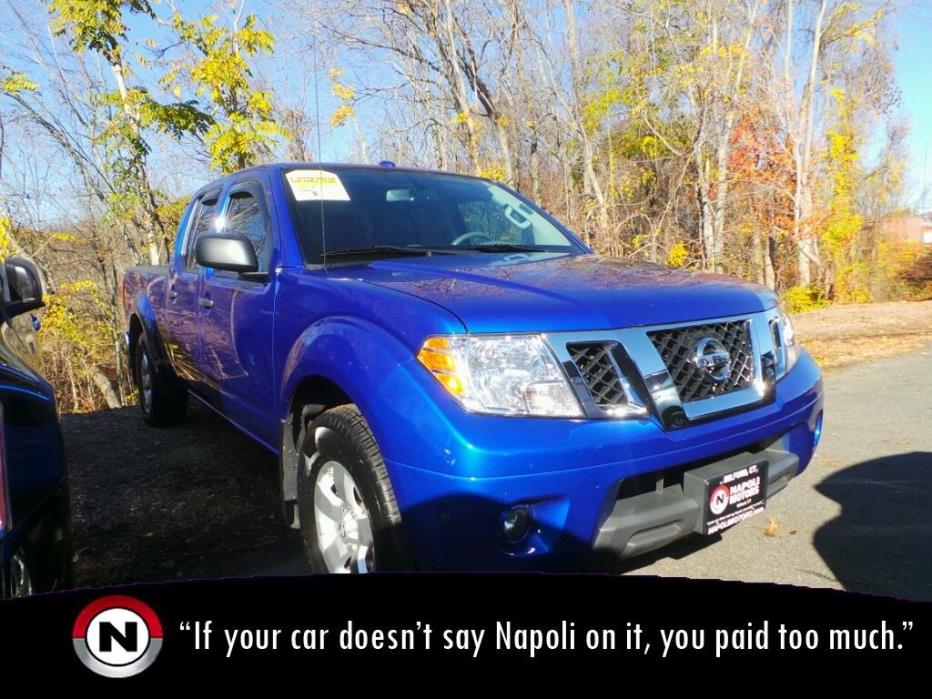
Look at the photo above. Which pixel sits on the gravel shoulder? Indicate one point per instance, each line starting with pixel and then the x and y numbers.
pixel 200 500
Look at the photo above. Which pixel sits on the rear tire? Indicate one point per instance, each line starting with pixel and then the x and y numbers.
pixel 161 404
pixel 350 521
pixel 15 578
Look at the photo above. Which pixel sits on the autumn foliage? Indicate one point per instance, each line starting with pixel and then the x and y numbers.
pixel 756 138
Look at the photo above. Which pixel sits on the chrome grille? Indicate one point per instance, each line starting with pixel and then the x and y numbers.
pixel 677 347
pixel 594 361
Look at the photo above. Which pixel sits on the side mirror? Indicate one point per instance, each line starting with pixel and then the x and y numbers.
pixel 231 252
pixel 22 290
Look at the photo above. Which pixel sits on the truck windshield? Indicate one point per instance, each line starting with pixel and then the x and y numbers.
pixel 348 213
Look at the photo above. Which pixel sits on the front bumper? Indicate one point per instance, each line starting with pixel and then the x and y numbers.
pixel 648 521
pixel 572 475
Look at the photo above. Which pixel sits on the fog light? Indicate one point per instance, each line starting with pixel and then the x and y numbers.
pixel 515 524
pixel 817 432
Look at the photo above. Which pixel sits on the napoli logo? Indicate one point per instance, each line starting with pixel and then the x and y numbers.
pixel 719 500
pixel 117 636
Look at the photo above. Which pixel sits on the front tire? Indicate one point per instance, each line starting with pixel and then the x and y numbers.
pixel 161 403
pixel 350 521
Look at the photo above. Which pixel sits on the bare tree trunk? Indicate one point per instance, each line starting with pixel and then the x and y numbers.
pixel 534 165
pixel 704 202
pixel 591 180
pixel 461 96
pixel 105 387
pixel 505 148
pixel 802 210
pixel 721 197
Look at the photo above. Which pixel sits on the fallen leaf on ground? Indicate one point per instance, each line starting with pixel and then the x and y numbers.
pixel 771 528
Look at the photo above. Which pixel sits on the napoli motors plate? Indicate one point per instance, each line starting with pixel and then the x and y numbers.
pixel 734 496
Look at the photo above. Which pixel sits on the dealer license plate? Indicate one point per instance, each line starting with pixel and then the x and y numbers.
pixel 734 496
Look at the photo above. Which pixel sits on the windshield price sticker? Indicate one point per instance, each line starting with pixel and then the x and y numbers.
pixel 734 497
pixel 316 185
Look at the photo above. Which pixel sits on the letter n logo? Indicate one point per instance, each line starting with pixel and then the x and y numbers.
pixel 117 636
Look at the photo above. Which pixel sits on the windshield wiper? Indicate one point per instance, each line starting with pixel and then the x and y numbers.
pixel 503 247
pixel 382 251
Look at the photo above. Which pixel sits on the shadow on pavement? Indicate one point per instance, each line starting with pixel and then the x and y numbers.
pixel 881 543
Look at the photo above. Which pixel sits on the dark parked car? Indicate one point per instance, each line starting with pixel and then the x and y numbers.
pixel 34 551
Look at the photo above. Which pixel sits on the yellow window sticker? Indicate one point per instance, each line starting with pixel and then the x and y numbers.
pixel 316 185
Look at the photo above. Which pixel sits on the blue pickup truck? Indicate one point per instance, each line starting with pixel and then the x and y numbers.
pixel 452 380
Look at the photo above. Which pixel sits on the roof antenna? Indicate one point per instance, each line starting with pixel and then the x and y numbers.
pixel 320 191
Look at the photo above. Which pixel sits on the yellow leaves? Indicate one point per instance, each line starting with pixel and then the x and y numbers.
pixel 862 30
pixel 650 146
pixel 6 226
pixel 340 115
pixel 852 283
pixel 17 83
pixel 260 102
pixel 843 222
pixel 678 255
pixel 598 107
pixel 78 315
pixel 798 299
pixel 66 237
pixel 722 51
pixel 493 171
pixel 344 92
pixel 236 143
pixel 241 128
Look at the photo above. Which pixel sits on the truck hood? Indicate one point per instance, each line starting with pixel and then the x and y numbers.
pixel 550 292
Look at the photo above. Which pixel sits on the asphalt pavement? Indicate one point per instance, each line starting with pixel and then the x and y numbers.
pixel 860 517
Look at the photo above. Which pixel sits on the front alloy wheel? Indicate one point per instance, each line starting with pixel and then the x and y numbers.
pixel 344 532
pixel 349 518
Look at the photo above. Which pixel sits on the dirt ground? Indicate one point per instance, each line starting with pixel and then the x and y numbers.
pixel 153 504
pixel 200 500
pixel 842 335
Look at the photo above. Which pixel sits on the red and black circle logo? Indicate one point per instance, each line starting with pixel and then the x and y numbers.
pixel 718 501
pixel 117 636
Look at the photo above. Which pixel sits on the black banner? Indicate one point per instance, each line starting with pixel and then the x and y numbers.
pixel 223 631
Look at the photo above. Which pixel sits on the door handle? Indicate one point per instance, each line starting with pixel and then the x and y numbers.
pixel 205 303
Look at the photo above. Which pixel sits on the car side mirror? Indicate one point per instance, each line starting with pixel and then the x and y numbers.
pixel 22 288
pixel 230 252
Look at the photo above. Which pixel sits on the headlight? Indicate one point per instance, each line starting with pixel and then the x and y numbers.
pixel 788 341
pixel 501 374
